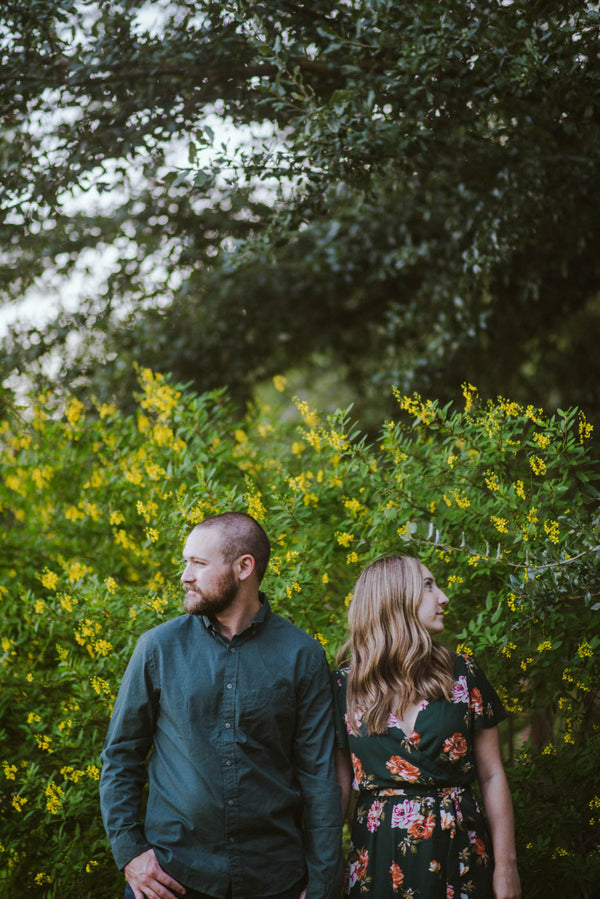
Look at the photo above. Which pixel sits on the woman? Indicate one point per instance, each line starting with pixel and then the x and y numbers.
pixel 415 726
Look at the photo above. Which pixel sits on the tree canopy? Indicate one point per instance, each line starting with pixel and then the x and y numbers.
pixel 413 194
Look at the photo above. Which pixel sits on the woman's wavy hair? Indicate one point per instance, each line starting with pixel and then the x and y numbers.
pixel 394 663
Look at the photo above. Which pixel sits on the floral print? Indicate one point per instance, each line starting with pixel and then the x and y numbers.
pixel 418 832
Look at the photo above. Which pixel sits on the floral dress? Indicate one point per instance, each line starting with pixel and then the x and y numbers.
pixel 418 832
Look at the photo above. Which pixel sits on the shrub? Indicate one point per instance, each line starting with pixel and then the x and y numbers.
pixel 498 500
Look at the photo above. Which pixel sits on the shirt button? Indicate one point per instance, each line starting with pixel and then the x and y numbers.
pixel 232 839
pixel 229 686
pixel 228 763
pixel 227 724
pixel 231 649
pixel 230 802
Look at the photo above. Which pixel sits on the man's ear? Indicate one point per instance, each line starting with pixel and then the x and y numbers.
pixel 245 566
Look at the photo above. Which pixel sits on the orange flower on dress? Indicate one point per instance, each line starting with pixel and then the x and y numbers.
pixel 423 828
pixel 399 766
pixel 476 701
pixel 397 876
pixel 358 768
pixel 480 847
pixel 362 864
pixel 455 747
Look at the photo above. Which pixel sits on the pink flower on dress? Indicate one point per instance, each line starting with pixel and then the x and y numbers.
pixel 374 816
pixel 460 690
pixel 404 814
pixel 449 891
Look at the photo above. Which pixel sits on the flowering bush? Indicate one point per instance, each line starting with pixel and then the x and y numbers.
pixel 499 501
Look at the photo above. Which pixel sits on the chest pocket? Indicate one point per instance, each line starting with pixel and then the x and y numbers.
pixel 268 712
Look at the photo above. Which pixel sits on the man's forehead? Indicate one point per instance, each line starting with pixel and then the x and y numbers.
pixel 204 540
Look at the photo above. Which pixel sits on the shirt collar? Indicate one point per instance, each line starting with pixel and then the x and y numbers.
pixel 257 622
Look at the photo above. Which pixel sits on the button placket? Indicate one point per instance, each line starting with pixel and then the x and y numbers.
pixel 228 736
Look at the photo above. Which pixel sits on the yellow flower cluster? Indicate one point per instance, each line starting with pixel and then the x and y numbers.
pixel 344 539
pixel 584 650
pixel 585 429
pixel 501 524
pixel 491 480
pixel 552 530
pixel 54 797
pixel 426 411
pixel 537 465
pixel 159 398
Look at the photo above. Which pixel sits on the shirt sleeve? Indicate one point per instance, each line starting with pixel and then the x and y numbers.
pixel 485 705
pixel 338 685
pixel 315 769
pixel 123 758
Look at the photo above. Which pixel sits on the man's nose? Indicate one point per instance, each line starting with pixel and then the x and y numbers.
pixel 186 575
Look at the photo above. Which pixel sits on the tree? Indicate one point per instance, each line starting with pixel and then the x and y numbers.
pixel 422 209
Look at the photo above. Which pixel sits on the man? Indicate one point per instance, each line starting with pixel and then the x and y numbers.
pixel 235 703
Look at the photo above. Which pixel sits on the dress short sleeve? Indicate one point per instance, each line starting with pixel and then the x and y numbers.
pixel 338 684
pixel 484 703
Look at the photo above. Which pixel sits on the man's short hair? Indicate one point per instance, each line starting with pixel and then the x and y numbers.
pixel 241 534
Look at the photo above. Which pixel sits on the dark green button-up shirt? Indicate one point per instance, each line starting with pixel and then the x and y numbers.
pixel 241 778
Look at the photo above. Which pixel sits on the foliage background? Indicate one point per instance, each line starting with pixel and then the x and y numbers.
pixel 411 198
pixel 500 500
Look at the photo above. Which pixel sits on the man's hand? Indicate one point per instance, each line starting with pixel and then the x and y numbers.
pixel 147 879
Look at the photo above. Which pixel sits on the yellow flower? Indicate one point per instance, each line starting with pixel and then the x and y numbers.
pixel 501 524
pixel 18 802
pixel 116 518
pixel 491 480
pixel 110 584
pixel 545 646
pixel 10 771
pixel 344 539
pixel 537 465
pixel 584 650
pixel 585 429
pixel 54 797
pixel 542 440
pixel 519 489
pixel 74 411
pixel 93 771
pixel 49 579
pixel 325 578
pixel 551 528
pixel 42 878
pixel 280 383
pixel 351 557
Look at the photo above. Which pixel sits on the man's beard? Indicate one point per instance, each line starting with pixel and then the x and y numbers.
pixel 214 602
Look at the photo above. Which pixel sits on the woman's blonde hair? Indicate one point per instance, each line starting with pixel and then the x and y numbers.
pixel 393 661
